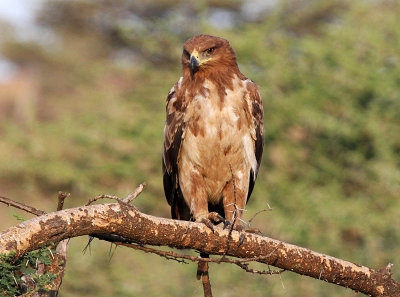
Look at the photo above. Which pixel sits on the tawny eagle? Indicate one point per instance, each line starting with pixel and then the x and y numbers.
pixel 213 135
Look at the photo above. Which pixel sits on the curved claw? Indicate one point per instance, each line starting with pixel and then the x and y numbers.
pixel 226 224
pixel 208 223
pixel 216 218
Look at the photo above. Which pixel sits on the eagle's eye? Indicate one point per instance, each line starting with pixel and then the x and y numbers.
pixel 211 50
pixel 186 53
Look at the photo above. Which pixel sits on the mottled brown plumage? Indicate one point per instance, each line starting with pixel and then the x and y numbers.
pixel 213 137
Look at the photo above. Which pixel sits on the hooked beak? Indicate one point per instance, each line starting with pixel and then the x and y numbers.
pixel 194 61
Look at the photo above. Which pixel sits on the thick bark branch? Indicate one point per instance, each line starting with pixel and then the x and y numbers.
pixel 124 220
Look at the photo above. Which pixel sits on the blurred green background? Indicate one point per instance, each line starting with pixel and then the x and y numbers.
pixel 82 103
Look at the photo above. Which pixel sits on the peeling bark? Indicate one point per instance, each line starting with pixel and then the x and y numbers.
pixel 124 220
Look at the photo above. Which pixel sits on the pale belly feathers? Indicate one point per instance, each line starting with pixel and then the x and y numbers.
pixel 217 141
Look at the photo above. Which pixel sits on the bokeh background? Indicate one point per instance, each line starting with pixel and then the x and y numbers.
pixel 82 100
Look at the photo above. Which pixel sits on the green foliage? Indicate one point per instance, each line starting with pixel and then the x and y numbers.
pixel 8 286
pixel 18 217
pixel 329 77
pixel 12 269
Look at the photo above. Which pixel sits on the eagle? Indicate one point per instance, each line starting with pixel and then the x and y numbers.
pixel 213 136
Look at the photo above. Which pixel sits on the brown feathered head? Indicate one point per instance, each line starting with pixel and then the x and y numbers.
pixel 205 53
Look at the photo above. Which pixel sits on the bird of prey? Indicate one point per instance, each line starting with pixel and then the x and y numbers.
pixel 213 135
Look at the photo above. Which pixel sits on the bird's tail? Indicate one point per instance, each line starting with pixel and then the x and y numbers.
pixel 202 272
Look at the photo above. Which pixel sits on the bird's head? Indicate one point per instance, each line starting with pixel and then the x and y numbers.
pixel 204 53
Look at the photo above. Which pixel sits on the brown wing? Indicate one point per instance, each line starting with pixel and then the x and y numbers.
pixel 257 113
pixel 173 132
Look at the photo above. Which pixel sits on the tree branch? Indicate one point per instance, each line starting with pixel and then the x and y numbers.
pixel 22 206
pixel 125 220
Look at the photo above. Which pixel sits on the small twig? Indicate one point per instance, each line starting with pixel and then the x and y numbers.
pixel 257 213
pixel 51 253
pixel 243 221
pixel 127 200
pixel 280 276
pixel 22 206
pixel 88 246
pixel 61 198
pixel 233 215
pixel 14 278
pixel 111 251
pixel 103 197
pixel 229 204
pixel 135 193
pixel 250 270
pixel 119 200
pixel 164 254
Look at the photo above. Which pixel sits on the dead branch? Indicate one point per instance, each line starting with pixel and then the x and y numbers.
pixel 124 220
pixel 181 258
pixel 22 206
pixel 135 193
pixel 61 198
